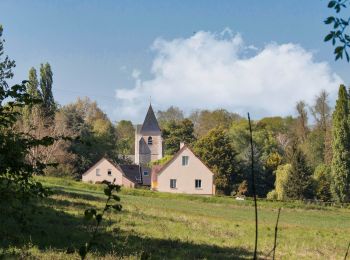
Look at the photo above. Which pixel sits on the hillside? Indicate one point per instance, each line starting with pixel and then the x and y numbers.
pixel 173 226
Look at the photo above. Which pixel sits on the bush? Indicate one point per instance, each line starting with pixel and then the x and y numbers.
pixel 272 195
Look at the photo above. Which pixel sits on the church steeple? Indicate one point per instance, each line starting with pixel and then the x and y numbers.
pixel 150 124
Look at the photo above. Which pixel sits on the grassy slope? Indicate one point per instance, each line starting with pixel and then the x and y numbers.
pixel 179 226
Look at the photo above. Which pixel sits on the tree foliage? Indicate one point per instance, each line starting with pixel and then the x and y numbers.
pixel 341 147
pixel 172 114
pixel 298 184
pixel 322 177
pixel 93 134
pixel 125 138
pixel 282 173
pixel 216 150
pixel 46 81
pixel 16 171
pixel 205 120
pixel 176 132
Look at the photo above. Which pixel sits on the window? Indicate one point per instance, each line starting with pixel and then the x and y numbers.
pixel 145 173
pixel 109 172
pixel 198 184
pixel 150 141
pixel 173 183
pixel 98 172
pixel 184 160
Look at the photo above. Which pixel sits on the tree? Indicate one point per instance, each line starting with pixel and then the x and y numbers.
pixel 301 124
pixel 33 84
pixel 282 173
pixel 16 173
pixel 340 33
pixel 206 120
pixel 321 112
pixel 267 153
pixel 298 184
pixel 172 114
pixel 216 150
pixel 49 105
pixel 175 133
pixel 125 138
pixel 322 177
pixel 30 112
pixel 341 148
pixel 94 134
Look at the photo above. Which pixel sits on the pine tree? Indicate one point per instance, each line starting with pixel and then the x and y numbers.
pixel 341 148
pixel 49 105
pixel 299 181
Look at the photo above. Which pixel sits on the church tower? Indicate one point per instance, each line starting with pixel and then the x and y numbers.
pixel 148 140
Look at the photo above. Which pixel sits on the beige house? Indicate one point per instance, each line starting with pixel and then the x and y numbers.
pixel 184 173
pixel 106 170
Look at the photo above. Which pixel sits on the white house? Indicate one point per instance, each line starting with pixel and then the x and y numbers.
pixel 106 170
pixel 184 173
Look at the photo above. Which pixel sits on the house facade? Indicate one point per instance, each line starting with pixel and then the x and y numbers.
pixel 184 173
pixel 106 170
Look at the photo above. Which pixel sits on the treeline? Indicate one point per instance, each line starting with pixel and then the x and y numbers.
pixel 82 131
pixel 294 159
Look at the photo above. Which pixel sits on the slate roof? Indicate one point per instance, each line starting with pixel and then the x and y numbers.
pixel 150 125
pixel 132 172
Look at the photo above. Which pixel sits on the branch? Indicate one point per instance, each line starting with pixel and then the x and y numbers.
pixel 347 251
pixel 254 191
pixel 276 229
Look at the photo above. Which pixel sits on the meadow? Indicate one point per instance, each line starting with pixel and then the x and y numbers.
pixel 167 226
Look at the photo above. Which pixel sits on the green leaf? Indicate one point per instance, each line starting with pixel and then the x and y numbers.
pixel 328 37
pixel 116 198
pixel 329 20
pixel 89 213
pixel 339 49
pixel 99 218
pixel 331 4
pixel 107 191
pixel 117 207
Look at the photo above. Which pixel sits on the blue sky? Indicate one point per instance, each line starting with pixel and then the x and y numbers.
pixel 99 47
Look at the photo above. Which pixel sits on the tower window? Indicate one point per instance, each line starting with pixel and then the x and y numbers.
pixel 150 141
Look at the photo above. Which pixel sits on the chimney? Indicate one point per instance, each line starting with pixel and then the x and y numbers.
pixel 182 144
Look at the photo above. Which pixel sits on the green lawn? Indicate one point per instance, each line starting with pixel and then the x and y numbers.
pixel 164 226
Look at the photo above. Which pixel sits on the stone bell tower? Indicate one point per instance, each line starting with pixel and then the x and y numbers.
pixel 148 140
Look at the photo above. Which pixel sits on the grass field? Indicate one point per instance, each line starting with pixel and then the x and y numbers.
pixel 167 226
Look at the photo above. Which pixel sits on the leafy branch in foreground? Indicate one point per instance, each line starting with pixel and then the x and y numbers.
pixel 340 33
pixel 93 214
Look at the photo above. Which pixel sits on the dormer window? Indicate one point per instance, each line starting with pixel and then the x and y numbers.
pixel 150 141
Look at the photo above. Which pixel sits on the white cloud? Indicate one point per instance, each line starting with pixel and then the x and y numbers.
pixel 209 70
